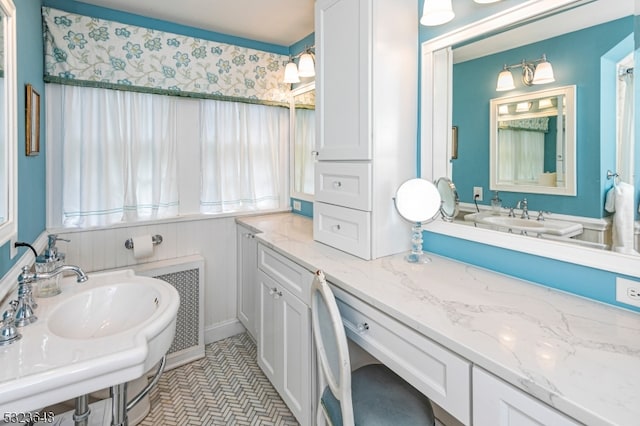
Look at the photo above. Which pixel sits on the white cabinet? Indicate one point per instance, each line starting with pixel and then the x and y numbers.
pixel 496 403
pixel 247 279
pixel 284 340
pixel 366 105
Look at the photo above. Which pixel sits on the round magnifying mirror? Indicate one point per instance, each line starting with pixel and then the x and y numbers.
pixel 418 201
pixel 450 200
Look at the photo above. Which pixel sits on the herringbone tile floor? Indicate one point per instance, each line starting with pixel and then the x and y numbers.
pixel 226 387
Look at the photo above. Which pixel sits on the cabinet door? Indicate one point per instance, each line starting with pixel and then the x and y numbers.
pixel 296 329
pixel 270 331
pixel 496 403
pixel 342 80
pixel 247 280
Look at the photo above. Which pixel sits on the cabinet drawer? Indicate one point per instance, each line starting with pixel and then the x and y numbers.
pixel 343 228
pixel 344 184
pixel 290 275
pixel 497 403
pixel 435 371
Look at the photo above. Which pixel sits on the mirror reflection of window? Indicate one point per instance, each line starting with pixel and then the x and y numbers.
pixel 624 120
pixel 303 144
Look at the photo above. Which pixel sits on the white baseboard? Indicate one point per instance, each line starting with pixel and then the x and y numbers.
pixel 222 330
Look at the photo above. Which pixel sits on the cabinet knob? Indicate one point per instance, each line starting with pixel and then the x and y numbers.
pixel 362 327
pixel 337 184
pixel 249 235
pixel 275 293
pixel 336 227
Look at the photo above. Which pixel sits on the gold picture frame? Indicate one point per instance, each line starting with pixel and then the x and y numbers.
pixel 33 121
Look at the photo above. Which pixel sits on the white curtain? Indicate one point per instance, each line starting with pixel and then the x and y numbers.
pixel 243 156
pixel 112 154
pixel 520 156
pixel 305 136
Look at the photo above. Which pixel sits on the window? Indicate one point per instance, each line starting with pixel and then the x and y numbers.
pixel 115 156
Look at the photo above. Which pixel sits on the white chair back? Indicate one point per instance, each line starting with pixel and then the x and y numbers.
pixel 331 345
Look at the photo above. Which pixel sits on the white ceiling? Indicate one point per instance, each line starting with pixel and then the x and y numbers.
pixel 281 22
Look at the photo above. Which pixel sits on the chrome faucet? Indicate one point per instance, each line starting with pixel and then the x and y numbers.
pixel 525 208
pixel 25 304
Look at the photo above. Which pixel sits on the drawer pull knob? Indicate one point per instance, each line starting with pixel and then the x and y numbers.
pixel 337 184
pixel 336 227
pixel 362 327
pixel 275 293
pixel 249 235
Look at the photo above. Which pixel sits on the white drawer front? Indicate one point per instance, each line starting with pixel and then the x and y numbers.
pixel 496 403
pixel 345 229
pixel 436 372
pixel 344 184
pixel 290 275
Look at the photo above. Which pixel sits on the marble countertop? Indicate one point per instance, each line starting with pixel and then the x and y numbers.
pixel 577 355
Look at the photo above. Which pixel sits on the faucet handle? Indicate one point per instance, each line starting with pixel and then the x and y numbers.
pixel 541 214
pixel 511 212
pixel 8 330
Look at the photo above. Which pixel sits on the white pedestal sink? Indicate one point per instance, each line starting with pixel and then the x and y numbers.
pixel 107 331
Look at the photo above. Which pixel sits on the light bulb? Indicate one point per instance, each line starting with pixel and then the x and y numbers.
pixel 543 73
pixel 291 73
pixel 505 80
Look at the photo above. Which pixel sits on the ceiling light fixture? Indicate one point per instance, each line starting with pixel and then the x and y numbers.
pixel 305 68
pixel 438 12
pixel 533 72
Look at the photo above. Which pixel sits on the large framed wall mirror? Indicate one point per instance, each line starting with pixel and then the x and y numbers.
pixel 303 141
pixel 532 142
pixel 8 123
pixel 590 45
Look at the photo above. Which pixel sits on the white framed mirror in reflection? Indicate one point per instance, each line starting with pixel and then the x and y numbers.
pixel 302 134
pixel 532 142
pixel 594 37
pixel 8 123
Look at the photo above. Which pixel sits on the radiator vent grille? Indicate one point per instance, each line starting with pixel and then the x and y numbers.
pixel 187 283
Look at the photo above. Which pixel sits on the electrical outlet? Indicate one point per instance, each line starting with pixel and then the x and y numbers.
pixel 297 205
pixel 477 192
pixel 628 291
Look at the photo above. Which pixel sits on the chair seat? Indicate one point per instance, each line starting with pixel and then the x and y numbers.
pixel 381 397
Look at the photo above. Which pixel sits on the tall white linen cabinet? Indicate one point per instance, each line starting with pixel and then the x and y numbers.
pixel 366 138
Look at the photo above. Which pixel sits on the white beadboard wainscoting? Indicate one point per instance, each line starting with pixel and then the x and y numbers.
pixel 212 238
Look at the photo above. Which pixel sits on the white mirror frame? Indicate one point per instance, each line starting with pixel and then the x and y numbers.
pixel 569 152
pixel 436 123
pixel 9 228
pixel 292 157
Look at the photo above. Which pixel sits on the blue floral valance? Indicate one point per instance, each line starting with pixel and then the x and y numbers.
pixel 101 53
pixel 539 124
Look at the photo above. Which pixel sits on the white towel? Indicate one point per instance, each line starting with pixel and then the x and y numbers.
pixel 620 200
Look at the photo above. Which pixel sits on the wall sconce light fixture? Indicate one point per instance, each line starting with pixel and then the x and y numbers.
pixel 438 12
pixel 533 72
pixel 306 67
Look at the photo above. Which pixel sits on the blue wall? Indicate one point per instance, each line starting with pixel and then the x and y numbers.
pixel 576 61
pixel 31 170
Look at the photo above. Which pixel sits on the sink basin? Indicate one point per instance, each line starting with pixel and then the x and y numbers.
pixel 105 311
pixel 560 228
pixel 515 223
pixel 109 330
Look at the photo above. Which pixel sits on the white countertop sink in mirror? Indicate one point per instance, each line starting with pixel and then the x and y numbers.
pixel 109 330
pixel 530 226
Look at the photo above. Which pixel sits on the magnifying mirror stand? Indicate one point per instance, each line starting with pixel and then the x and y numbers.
pixel 417 255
